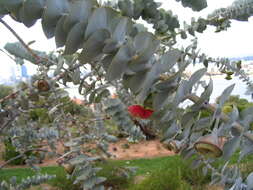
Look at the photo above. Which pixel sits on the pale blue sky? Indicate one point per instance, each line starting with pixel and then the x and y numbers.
pixel 237 41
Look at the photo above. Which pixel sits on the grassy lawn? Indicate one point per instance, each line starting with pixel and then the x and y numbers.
pixel 22 173
pixel 157 169
pixel 152 174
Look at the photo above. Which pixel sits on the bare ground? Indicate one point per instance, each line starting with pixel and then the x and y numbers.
pixel 122 150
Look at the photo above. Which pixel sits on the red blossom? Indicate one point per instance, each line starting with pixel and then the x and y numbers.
pixel 139 111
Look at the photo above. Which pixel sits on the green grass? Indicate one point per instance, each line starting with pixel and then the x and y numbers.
pixel 167 173
pixel 145 168
pixel 155 174
pixel 163 179
pixel 22 173
pixel 113 171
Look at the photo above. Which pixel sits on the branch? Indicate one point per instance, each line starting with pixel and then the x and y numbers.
pixel 145 130
pixel 37 58
pixel 12 95
pixel 7 55
pixel 57 77
pixel 223 116
pixel 5 125
pixel 8 122
pixel 60 159
pixel 21 155
pixel 20 40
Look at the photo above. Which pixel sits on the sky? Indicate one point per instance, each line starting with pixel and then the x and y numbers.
pixel 235 42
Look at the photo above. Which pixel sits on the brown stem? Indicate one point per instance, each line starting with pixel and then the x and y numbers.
pixel 21 155
pixel 37 58
pixel 7 55
pixel 12 95
pixel 59 160
pixel 147 132
pixel 223 116
pixel 20 40
pixel 7 123
pixel 57 77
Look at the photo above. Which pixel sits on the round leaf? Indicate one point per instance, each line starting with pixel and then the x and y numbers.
pixel 100 19
pixel 28 21
pixel 79 11
pixel 33 9
pixel 75 38
pixel 60 34
pixel 119 63
pixel 52 13
pixel 94 45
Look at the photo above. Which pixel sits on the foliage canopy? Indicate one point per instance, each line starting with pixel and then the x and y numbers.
pixel 147 67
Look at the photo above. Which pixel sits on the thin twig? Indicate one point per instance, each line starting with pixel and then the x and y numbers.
pixel 5 125
pixel 37 58
pixel 57 77
pixel 20 40
pixel 8 122
pixel 21 155
pixel 7 55
pixel 12 95
pixel 63 156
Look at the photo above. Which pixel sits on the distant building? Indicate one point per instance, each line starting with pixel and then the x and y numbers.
pixel 13 75
pixel 18 73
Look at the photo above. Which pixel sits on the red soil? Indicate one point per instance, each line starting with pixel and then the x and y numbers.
pixel 122 150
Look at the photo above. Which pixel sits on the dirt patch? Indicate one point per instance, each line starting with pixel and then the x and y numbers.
pixel 43 187
pixel 214 187
pixel 47 162
pixel 122 150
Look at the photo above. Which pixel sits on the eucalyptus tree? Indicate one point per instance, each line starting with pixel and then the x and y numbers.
pixel 107 38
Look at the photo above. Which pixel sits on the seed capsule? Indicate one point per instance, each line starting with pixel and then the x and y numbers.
pixel 210 146
pixel 68 168
pixel 42 85
pixel 173 145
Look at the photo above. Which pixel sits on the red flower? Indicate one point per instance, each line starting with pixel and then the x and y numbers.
pixel 139 111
